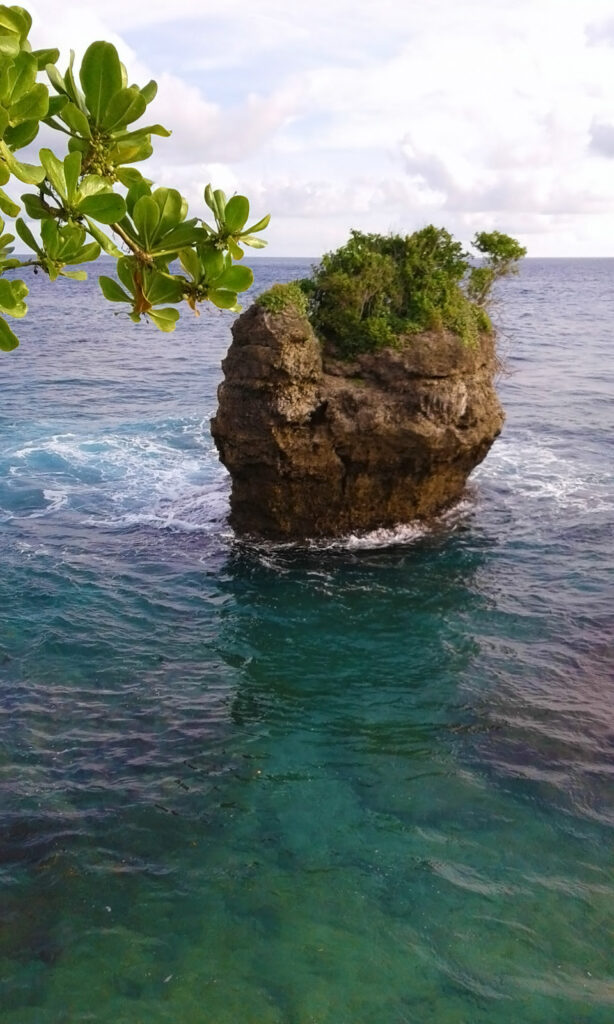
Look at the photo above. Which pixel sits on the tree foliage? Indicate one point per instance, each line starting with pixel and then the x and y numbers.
pixel 500 257
pixel 91 198
pixel 377 289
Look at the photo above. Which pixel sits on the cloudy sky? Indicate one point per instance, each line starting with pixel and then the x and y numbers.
pixel 378 114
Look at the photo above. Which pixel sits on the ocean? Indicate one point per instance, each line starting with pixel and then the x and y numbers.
pixel 367 781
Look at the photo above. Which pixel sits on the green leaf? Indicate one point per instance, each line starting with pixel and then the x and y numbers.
pixel 146 216
pixel 72 237
pixel 157 129
pixel 138 189
pixel 148 92
pixel 222 298
pixel 254 243
pixel 123 108
pixel 12 294
pixel 112 290
pixel 76 120
pixel 34 206
pixel 106 207
pixel 210 201
pixel 158 288
pixel 21 135
pixel 101 77
pixel 164 319
pixel 170 205
pixel 216 201
pixel 105 243
pixel 15 19
pixel 86 254
pixel 92 185
pixel 44 57
pixel 33 106
pixel 21 77
pixel 9 45
pixel 28 173
pixel 26 235
pixel 20 289
pixel 220 202
pixel 72 88
pixel 191 264
pixel 76 275
pixel 125 271
pixel 54 170
pixel 56 79
pixel 213 262
pixel 8 340
pixel 141 133
pixel 237 279
pixel 130 176
pixel 236 214
pixel 76 145
pixel 72 173
pixel 260 226
pixel 179 237
pixel 235 250
pixel 131 152
pixel 7 205
pixel 56 104
pixel 51 238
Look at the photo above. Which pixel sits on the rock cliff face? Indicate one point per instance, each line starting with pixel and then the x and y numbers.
pixel 316 447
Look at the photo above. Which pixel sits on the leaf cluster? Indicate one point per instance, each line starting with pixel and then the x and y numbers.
pixel 377 289
pixel 92 198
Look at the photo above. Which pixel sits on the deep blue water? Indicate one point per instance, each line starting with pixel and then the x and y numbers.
pixel 368 782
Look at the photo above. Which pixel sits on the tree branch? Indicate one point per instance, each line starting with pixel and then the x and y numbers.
pixel 142 256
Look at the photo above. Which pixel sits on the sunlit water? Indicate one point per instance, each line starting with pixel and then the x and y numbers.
pixel 364 783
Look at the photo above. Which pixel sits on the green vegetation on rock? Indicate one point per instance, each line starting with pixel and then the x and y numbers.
pixel 377 289
pixel 92 199
pixel 284 298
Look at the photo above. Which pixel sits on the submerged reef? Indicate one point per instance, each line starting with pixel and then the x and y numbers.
pixel 322 446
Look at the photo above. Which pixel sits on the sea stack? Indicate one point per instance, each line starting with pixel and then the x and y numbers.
pixel 317 446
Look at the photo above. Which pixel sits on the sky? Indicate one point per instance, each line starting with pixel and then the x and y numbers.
pixel 382 115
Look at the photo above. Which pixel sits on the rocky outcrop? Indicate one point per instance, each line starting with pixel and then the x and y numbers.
pixel 318 447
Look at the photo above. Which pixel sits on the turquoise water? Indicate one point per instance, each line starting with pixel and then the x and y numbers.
pixel 368 782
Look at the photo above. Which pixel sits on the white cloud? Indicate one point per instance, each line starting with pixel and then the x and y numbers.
pixel 602 138
pixel 334 114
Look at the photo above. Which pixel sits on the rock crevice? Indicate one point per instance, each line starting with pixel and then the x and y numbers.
pixel 318 447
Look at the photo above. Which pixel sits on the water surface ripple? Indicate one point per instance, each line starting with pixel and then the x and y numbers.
pixel 365 782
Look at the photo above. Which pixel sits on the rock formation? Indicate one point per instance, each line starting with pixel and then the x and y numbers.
pixel 319 447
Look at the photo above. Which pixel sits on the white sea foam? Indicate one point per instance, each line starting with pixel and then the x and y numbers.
pixel 128 477
pixel 406 533
pixel 197 510
pixel 173 481
pixel 535 472
pixel 56 499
